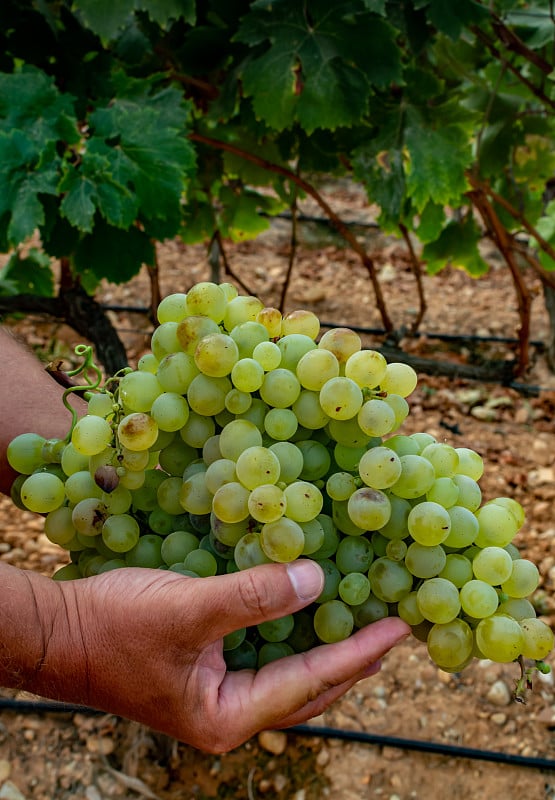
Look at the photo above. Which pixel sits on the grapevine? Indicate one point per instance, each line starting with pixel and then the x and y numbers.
pixel 244 437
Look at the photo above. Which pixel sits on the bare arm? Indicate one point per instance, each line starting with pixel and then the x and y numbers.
pixel 30 400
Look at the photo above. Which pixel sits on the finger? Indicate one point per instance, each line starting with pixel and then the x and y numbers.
pixel 296 686
pixel 251 596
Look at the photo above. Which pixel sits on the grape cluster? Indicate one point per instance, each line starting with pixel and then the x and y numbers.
pixel 245 437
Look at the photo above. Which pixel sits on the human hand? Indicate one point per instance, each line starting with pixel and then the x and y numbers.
pixel 147 645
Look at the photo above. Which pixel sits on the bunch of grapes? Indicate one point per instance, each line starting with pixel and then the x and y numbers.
pixel 245 437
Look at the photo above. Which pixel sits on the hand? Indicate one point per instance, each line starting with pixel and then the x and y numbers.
pixel 147 645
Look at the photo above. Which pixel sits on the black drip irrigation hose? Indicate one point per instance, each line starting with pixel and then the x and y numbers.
pixel 324 732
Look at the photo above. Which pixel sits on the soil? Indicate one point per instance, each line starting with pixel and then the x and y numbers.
pixel 77 756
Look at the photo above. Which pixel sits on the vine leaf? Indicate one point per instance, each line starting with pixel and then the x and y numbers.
pixel 457 245
pixel 108 18
pixel 318 70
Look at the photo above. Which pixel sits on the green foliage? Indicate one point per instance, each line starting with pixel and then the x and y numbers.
pixel 128 122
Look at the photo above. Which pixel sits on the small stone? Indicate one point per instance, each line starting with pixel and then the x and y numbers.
pixel 323 758
pixel 5 770
pixel 9 791
pixel 499 694
pixel 392 753
pixel 100 744
pixel 280 782
pixel 273 741
pixel 498 718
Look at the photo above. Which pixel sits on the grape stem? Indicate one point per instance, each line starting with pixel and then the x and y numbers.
pixel 88 365
pixel 524 683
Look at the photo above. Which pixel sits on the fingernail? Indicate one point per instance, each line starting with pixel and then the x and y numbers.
pixel 306 578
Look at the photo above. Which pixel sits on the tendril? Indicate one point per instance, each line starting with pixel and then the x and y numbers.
pixel 88 366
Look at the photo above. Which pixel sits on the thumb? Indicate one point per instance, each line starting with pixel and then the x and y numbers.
pixel 257 594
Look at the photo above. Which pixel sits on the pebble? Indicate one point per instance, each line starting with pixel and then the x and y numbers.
pixel 273 741
pixel 100 744
pixel 499 694
pixel 392 753
pixel 9 791
pixel 499 718
pixel 5 770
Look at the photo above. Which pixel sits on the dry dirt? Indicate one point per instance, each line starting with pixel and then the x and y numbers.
pixel 85 757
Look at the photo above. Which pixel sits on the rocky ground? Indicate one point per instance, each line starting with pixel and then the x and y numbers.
pixel 95 757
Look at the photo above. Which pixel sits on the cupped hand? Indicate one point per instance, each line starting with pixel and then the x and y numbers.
pixel 147 645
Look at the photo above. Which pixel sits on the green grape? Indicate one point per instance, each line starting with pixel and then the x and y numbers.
pixel 192 329
pixel 376 417
pixel 170 411
pixel 407 609
pixel 272 651
pixel 400 409
pixel 457 569
pixel 316 460
pixel 397 525
pixel 340 485
pixel 313 536
pixel 241 309
pixel 424 561
pixel 478 599
pixel 332 579
pixel 146 498
pixel 24 452
pixel 538 638
pixel 276 630
pixel 198 429
pixel 148 362
pixel 228 533
pixel 81 485
pixel 315 368
pixel 371 610
pixel 237 436
pixel 146 553
pixel 280 388
pixel 211 449
pixel 176 371
pixel 247 336
pixel 168 495
pixel 341 398
pixel 267 503
pixel 304 501
pixel 342 342
pixel 268 355
pixel 134 460
pixel 366 367
pixel 492 565
pixel 470 494
pixel 399 379
pixel 443 458
pixel 165 340
pixel 234 639
pixel 403 445
pixel 331 538
pixel 172 308
pixel 333 621
pixel 257 465
pixel 207 299
pixel 290 459
pixel 444 491
pixel 72 460
pixel 380 467
pixel 301 322
pixel 416 478
pixel 280 423
pixel 354 554
pixel 58 526
pixel 138 390
pixel 429 523
pixel 348 432
pixel 244 656
pixel 523 580
pixel 202 562
pixel 282 540
pixel 218 473
pixel 368 508
pixel 438 600
pixel 396 550
pixel 514 507
pixel 42 492
pixel 342 519
pixel 389 580
pixel 517 607
pixel 354 588
pixel 422 439
pixel 470 463
pixel 464 527
pixel 302 637
pixel 293 346
pixel 450 644
pixel 497 526
pixel 249 553
pixel 206 394
pixel 91 435
pixel 348 458
pixel 231 502
pixel 499 638
pixel 236 401
pixel 271 318
pixel 159 521
pixel 216 354
pixel 308 410
pixel 112 563
pixel 120 532
pixel 136 431
pixel 194 496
